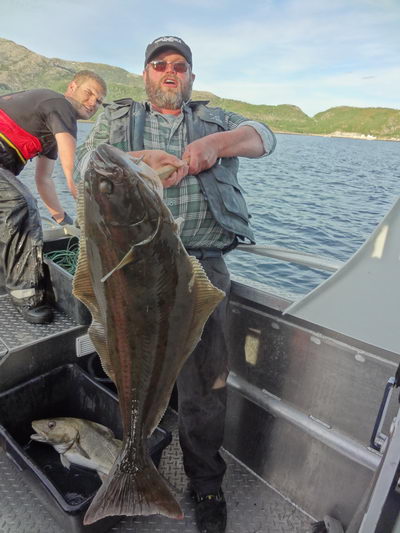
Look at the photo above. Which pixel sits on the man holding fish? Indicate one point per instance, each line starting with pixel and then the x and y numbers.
pixel 203 144
pixel 40 124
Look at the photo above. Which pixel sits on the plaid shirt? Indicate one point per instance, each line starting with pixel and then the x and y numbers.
pixel 185 200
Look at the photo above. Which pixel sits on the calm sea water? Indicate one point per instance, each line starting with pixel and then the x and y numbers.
pixel 313 194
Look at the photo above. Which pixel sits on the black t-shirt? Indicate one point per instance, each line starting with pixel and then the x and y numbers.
pixel 42 113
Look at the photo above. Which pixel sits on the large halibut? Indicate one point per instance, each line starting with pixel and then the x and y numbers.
pixel 149 302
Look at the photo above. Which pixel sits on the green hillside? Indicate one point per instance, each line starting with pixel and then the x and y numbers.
pixel 376 121
pixel 283 117
pixel 21 69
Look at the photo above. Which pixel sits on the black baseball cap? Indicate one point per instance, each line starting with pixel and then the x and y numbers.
pixel 165 43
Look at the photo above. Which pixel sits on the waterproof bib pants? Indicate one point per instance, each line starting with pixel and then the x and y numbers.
pixel 21 241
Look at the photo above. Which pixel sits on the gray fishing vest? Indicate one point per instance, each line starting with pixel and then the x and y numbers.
pixel 219 184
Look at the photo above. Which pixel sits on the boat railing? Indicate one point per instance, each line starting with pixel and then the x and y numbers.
pixel 292 256
pixel 263 250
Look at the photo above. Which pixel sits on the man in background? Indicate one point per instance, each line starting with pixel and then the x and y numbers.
pixel 203 144
pixel 37 123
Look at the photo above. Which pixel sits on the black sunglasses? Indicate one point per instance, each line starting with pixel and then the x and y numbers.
pixel 160 66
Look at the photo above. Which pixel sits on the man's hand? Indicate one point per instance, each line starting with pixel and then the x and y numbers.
pixel 66 219
pixel 157 159
pixel 201 154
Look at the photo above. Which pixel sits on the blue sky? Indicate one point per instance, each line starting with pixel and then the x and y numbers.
pixel 314 54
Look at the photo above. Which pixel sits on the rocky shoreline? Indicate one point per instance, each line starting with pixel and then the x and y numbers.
pixel 344 134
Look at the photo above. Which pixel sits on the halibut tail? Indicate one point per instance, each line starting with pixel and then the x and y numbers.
pixel 143 492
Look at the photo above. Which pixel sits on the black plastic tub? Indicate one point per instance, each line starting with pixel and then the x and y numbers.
pixel 65 391
pixel 61 283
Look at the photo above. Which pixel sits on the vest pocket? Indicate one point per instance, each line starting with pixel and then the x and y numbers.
pixel 118 127
pixel 231 194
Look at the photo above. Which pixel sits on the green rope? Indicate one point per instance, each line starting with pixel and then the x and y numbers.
pixel 66 258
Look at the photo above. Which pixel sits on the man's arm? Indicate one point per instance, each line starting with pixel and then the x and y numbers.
pixel 203 153
pixel 243 138
pixel 46 187
pixel 66 145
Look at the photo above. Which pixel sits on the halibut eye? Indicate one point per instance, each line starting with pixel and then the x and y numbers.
pixel 106 187
pixel 51 424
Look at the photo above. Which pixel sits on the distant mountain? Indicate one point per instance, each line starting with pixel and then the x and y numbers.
pixel 21 69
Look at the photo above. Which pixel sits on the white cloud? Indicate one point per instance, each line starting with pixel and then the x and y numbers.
pixel 310 53
pixel 313 96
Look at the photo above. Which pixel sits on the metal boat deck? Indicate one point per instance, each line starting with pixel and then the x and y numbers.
pixel 302 403
pixel 253 506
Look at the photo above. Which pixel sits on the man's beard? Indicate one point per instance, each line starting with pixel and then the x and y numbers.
pixel 168 99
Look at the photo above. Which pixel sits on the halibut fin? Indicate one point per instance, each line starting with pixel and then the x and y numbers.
pixel 82 289
pixel 128 258
pixel 206 299
pixel 143 492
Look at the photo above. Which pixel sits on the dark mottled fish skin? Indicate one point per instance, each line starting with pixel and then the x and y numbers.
pixel 149 302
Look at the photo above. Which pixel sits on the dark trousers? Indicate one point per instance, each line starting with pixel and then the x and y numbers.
pixel 202 393
pixel 21 241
